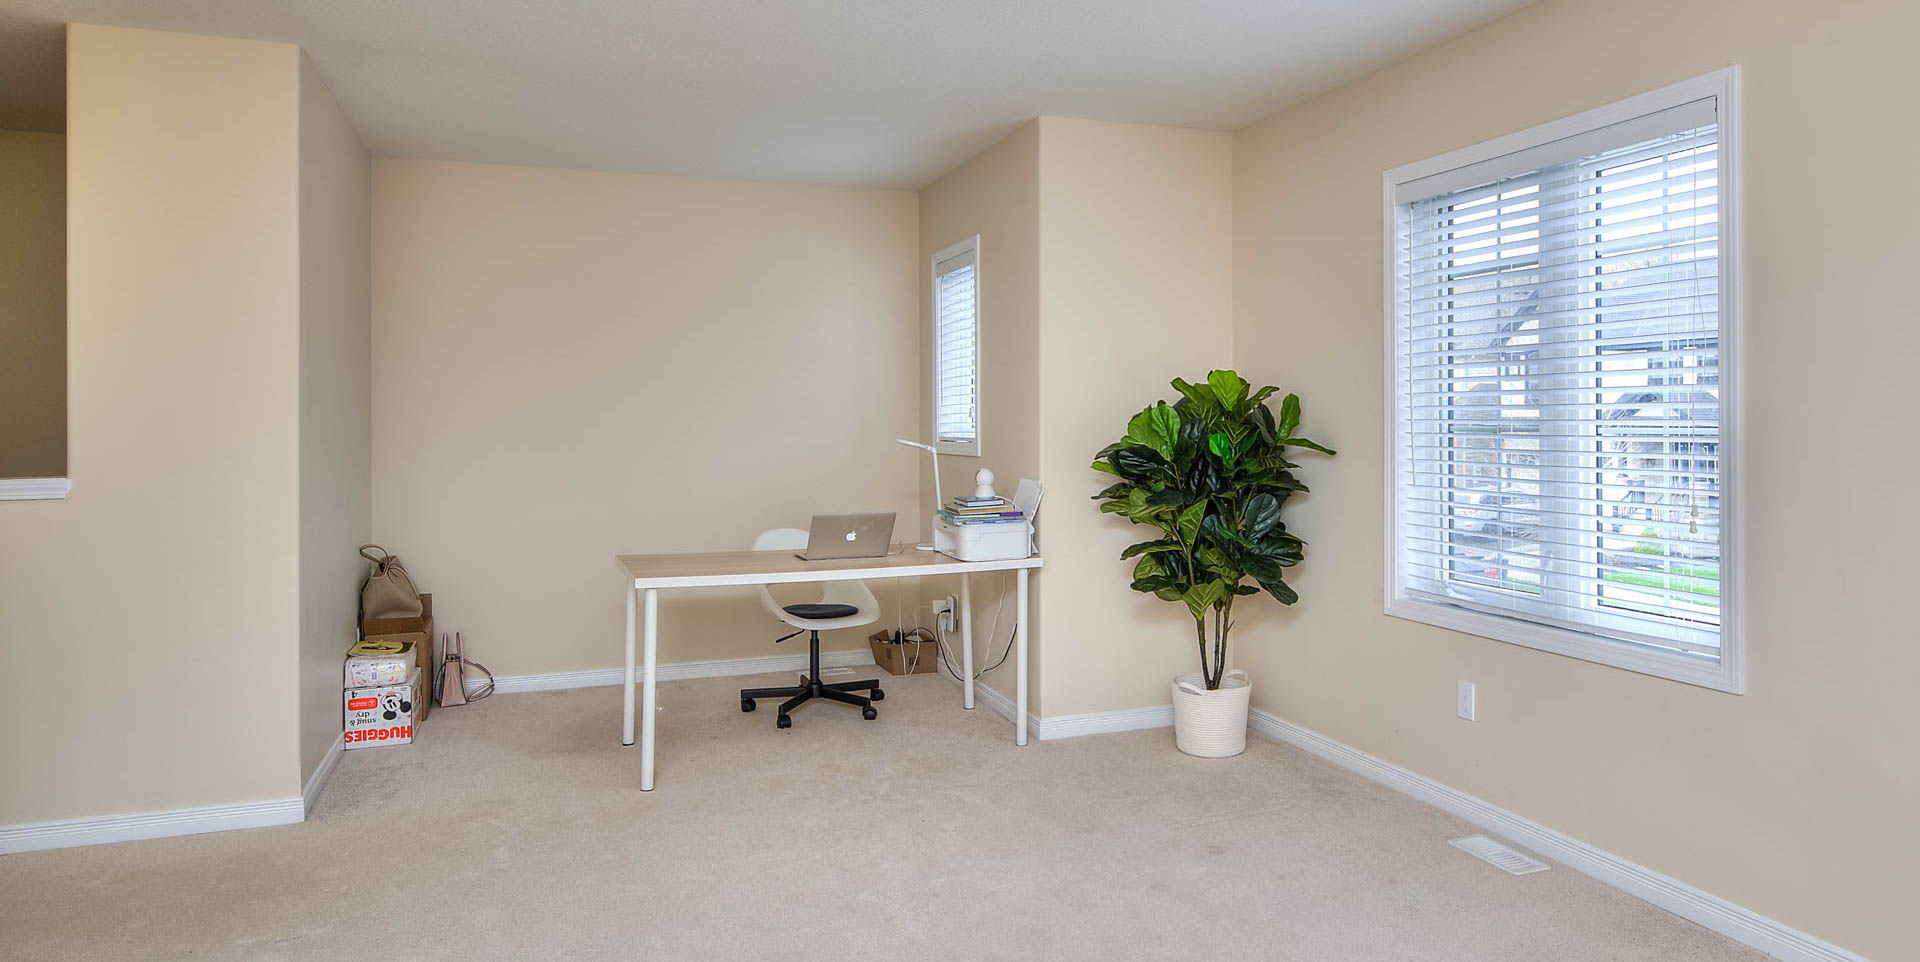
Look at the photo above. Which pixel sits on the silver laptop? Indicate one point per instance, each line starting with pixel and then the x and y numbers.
pixel 848 536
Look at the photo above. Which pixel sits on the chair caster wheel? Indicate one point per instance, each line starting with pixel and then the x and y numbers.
pixel 869 714
pixel 747 704
pixel 879 695
pixel 783 722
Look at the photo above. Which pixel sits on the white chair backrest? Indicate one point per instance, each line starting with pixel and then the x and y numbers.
pixel 781 539
pixel 855 593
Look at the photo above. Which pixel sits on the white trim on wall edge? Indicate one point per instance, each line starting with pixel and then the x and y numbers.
pixel 678 671
pixel 317 782
pixel 34 489
pixel 1072 726
pixel 126 828
pixel 1702 908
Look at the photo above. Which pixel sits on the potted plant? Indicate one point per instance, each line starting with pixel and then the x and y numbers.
pixel 1210 472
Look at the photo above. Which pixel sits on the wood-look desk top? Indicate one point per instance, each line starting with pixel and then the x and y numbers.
pixel 783 567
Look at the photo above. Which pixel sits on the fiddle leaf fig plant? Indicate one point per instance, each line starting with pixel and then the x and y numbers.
pixel 1210 472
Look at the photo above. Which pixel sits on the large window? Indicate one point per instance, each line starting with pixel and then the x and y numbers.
pixel 1562 306
pixel 956 348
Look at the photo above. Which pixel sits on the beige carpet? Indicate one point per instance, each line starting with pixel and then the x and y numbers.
pixel 515 829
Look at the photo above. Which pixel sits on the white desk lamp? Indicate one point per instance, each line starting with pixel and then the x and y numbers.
pixel 937 499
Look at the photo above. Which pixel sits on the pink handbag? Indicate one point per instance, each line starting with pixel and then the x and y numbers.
pixel 453 675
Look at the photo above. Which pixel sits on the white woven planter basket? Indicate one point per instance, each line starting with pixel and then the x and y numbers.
pixel 1211 724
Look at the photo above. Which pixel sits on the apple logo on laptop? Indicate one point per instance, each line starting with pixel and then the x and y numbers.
pixel 852 536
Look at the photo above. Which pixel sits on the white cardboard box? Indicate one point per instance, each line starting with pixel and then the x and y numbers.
pixel 380 714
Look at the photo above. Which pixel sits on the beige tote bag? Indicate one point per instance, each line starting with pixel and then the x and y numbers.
pixel 388 593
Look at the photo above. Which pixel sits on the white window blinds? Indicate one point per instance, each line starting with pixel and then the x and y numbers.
pixel 956 352
pixel 1559 400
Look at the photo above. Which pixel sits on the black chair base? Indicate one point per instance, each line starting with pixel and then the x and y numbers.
pixel 812 687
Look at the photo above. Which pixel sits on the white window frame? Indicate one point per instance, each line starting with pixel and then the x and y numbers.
pixel 969 449
pixel 1728 674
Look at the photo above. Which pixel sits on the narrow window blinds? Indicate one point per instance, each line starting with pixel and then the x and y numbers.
pixel 956 401
pixel 1558 350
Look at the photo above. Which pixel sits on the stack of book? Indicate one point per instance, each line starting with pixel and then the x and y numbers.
pixel 975 510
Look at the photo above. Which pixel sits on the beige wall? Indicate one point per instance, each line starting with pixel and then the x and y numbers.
pixel 336 397
pixel 33 305
pixel 1136 242
pixel 1796 799
pixel 997 196
pixel 571 365
pixel 147 621
pixel 1105 271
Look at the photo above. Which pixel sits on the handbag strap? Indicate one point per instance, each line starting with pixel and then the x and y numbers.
pixel 383 560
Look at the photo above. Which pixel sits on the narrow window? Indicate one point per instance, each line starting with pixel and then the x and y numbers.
pixel 956 348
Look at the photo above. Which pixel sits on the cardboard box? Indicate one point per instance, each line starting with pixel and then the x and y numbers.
pixel 914 657
pixel 419 631
pixel 380 714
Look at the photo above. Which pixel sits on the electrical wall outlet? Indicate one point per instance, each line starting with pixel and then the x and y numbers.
pixel 944 608
pixel 1466 708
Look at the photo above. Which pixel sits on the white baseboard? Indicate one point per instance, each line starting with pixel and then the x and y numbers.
pixel 1072 726
pixel 34 489
pixel 126 828
pixel 1705 909
pixel 1001 705
pixel 1102 722
pixel 680 670
pixel 317 782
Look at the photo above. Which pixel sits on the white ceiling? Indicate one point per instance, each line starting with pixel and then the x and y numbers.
pixel 872 92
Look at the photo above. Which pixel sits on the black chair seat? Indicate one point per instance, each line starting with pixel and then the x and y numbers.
pixel 821 611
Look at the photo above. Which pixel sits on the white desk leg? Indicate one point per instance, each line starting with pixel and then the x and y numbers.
pixel 649 702
pixel 1020 659
pixel 626 723
pixel 966 640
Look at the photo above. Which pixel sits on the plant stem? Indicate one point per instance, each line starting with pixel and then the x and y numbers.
pixel 1200 630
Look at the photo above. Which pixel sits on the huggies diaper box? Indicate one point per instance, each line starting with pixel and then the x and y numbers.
pixel 381 714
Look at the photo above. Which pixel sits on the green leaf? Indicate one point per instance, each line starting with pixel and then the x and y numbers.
pixel 1170 497
pixel 1304 443
pixel 1221 446
pixel 1148 567
pixel 1262 569
pixel 1190 520
pixel 1259 396
pixel 1141 464
pixel 1202 398
pixel 1281 591
pixel 1148 547
pixel 1261 514
pixel 1201 597
pixel 1289 415
pixel 1227 387
pixel 1104 466
pixel 1156 585
pixel 1156 427
pixel 1114 490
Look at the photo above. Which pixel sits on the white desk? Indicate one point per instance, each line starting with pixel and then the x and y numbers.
pixel 647 574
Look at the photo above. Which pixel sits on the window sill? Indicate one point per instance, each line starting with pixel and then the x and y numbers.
pixel 1722 674
pixel 965 449
pixel 34 489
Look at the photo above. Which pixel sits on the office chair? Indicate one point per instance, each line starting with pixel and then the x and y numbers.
pixel 842 604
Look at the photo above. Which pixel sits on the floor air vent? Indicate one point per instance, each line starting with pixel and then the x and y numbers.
pixel 1513 861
